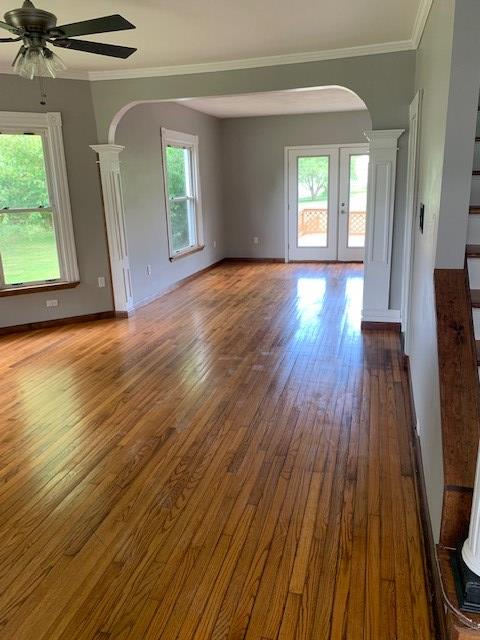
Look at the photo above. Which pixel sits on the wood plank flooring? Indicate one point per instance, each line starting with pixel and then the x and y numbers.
pixel 232 462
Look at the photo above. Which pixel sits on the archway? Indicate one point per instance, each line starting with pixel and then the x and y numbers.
pixel 381 205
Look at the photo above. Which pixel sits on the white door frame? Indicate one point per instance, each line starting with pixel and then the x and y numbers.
pixel 410 215
pixel 307 148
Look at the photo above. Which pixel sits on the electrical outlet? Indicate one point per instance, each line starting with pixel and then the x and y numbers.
pixel 255 240
pixel 214 244
pixel 149 269
pixel 101 282
pixel 52 303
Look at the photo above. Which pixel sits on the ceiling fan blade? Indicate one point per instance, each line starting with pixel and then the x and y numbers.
pixel 15 30
pixel 97 25
pixel 95 47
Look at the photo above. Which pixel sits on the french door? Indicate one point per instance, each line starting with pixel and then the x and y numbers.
pixel 313 203
pixel 352 217
pixel 327 197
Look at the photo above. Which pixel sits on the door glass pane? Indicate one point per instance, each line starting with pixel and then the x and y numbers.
pixel 23 181
pixel 28 247
pixel 312 178
pixel 357 201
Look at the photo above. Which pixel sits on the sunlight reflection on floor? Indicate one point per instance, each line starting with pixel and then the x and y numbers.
pixel 311 299
pixel 354 299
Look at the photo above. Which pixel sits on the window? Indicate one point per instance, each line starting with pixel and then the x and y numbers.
pixel 36 235
pixel 182 192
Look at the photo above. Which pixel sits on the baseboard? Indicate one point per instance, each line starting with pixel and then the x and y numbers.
pixel 176 285
pixel 268 260
pixel 122 315
pixel 367 325
pixel 431 565
pixel 45 324
pixel 381 320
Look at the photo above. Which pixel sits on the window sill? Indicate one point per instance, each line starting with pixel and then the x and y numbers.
pixel 187 252
pixel 37 288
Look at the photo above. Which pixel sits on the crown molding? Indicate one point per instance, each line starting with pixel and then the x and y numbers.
pixel 250 63
pixel 420 22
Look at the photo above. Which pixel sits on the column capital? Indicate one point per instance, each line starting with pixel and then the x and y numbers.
pixel 383 137
pixel 102 149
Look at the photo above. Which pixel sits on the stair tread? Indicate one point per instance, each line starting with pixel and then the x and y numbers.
pixel 475 297
pixel 477 348
pixel 476 172
pixel 474 208
pixel 473 250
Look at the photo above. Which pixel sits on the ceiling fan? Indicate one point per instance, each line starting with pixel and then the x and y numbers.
pixel 38 28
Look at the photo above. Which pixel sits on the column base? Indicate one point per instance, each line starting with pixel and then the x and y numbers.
pixel 467 583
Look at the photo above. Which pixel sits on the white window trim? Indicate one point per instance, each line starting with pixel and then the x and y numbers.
pixel 49 126
pixel 177 138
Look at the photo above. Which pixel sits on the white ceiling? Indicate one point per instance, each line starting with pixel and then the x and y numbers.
pixel 321 100
pixel 189 32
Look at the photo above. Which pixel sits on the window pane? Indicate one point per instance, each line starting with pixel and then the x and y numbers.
pixel 177 171
pixel 23 183
pixel 313 201
pixel 183 235
pixel 28 247
pixel 357 211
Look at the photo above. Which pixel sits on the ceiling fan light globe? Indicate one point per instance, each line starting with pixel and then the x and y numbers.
pixel 38 62
pixel 26 64
pixel 18 62
pixel 53 63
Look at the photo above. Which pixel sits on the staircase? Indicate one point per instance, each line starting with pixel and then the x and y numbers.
pixel 473 241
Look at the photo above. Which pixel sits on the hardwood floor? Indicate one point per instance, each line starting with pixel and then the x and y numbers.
pixel 232 462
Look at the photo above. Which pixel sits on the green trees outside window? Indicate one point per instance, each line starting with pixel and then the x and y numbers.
pixel 313 178
pixel 28 246
pixel 181 204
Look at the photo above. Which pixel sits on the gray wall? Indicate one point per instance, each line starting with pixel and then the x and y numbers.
pixel 447 71
pixel 433 72
pixel 72 98
pixel 384 82
pixel 142 177
pixel 253 158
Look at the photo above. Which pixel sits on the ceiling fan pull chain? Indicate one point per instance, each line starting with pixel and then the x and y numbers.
pixel 43 90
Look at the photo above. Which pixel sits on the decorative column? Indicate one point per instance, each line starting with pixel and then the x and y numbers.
pixel 466 561
pixel 380 206
pixel 109 163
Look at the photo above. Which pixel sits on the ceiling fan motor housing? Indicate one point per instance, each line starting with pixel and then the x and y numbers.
pixel 31 19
